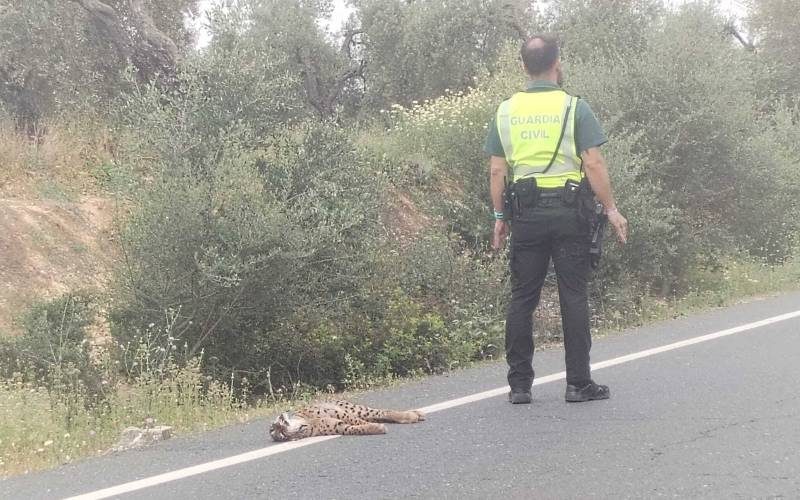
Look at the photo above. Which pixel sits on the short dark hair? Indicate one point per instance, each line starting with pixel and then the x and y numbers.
pixel 539 53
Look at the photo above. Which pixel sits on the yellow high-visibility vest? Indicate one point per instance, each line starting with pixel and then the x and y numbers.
pixel 537 130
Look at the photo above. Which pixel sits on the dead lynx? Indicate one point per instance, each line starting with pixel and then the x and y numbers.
pixel 338 417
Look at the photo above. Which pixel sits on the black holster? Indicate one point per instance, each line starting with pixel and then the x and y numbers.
pixel 519 196
pixel 591 212
pixel 509 201
pixel 596 243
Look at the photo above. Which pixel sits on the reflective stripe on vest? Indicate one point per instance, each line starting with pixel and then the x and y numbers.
pixel 530 125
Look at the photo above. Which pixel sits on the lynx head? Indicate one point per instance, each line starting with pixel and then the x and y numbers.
pixel 288 427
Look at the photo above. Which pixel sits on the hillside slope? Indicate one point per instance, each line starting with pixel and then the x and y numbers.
pixel 48 248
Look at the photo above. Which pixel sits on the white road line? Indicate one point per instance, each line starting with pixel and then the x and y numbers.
pixel 280 448
pixel 615 361
pixel 201 468
pixel 500 391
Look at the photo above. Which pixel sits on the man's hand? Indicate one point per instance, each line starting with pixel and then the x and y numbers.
pixel 500 234
pixel 620 225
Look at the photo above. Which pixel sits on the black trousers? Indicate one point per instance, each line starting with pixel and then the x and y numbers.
pixel 538 235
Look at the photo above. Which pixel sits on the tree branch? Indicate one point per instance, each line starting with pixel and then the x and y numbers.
pixel 349 41
pixel 731 29
pixel 310 80
pixel 323 97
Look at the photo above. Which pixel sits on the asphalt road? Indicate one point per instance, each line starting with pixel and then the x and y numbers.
pixel 717 419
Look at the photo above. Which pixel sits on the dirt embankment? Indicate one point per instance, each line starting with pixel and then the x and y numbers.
pixel 48 248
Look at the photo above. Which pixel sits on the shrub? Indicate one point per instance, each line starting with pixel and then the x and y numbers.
pixel 767 218
pixel 690 102
pixel 52 354
pixel 240 226
pixel 448 134
pixel 53 348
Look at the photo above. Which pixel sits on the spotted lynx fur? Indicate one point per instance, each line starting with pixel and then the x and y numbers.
pixel 338 417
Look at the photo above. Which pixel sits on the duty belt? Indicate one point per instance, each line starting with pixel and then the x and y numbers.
pixel 551 192
pixel 550 197
pixel 524 195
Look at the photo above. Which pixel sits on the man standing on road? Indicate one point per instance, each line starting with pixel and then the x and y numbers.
pixel 545 144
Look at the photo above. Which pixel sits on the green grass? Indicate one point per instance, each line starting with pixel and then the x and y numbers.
pixel 41 428
pixel 736 282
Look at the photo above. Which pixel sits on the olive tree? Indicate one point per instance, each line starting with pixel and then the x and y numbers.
pixel 72 54
pixel 418 50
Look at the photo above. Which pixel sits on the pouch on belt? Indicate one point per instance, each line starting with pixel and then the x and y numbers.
pixel 527 192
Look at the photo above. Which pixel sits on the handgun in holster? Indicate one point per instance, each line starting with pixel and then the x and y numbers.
pixel 598 231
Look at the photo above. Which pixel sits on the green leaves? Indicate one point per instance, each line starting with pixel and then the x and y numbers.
pixel 245 219
pixel 55 57
pixel 418 50
pixel 54 347
pixel 773 25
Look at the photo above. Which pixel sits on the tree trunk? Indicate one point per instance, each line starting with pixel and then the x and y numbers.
pixel 152 53
pixel 322 95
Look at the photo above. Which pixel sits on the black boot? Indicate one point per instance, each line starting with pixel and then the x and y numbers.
pixel 588 392
pixel 519 398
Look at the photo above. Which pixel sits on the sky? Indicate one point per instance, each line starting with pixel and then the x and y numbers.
pixel 735 8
